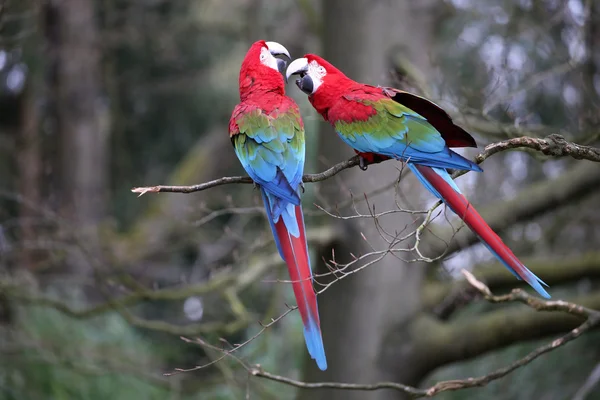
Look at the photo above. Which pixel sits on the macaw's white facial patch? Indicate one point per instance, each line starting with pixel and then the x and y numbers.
pixel 266 58
pixel 317 73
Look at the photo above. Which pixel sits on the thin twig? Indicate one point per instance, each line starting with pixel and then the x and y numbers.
pixel 589 385
pixel 226 353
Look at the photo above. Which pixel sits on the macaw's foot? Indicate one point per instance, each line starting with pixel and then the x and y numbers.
pixel 366 159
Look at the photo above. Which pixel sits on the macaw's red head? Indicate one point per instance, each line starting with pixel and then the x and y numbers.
pixel 317 76
pixel 261 71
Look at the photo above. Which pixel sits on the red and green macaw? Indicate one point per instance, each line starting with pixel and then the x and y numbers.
pixel 267 133
pixel 381 123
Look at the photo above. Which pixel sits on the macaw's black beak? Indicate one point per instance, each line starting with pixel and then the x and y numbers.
pixel 305 83
pixel 281 66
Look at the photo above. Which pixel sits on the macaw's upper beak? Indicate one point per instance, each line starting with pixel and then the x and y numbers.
pixel 297 67
pixel 300 67
pixel 277 49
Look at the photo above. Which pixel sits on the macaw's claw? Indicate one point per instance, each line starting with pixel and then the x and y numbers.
pixel 363 163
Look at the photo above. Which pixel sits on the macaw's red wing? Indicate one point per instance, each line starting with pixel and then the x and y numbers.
pixel 454 135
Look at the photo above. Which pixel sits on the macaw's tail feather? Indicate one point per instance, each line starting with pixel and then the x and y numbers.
pixel 294 251
pixel 439 182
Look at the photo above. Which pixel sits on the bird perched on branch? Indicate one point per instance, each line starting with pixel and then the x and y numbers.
pixel 382 123
pixel 267 133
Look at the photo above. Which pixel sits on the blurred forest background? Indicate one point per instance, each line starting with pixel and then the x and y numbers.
pixel 97 285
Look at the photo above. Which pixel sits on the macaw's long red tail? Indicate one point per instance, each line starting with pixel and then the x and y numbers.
pixel 439 182
pixel 293 248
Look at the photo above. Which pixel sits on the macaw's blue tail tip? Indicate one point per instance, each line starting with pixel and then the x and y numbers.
pixel 532 279
pixel 537 285
pixel 521 272
pixel 314 343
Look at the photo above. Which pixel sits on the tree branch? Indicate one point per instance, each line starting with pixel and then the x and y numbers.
pixel 496 329
pixel 554 271
pixel 537 199
pixel 592 320
pixel 336 169
pixel 553 145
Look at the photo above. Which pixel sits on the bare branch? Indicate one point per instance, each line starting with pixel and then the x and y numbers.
pixel 194 188
pixel 259 372
pixel 517 295
pixel 537 199
pixel 244 179
pixel 553 145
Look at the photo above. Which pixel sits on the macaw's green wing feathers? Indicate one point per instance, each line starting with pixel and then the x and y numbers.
pixel 394 130
pixel 454 135
pixel 271 149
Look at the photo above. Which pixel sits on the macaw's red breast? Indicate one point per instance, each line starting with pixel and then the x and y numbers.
pixel 272 104
pixel 340 103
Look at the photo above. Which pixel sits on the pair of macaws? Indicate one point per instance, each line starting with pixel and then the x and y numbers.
pixel 379 123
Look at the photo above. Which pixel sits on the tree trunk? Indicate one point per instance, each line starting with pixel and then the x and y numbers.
pixel 82 114
pixel 29 163
pixel 30 159
pixel 357 312
pixel 83 126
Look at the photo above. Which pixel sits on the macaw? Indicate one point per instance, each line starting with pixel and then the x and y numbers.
pixel 267 133
pixel 380 123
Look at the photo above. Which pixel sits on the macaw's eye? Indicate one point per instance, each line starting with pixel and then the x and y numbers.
pixel 321 70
